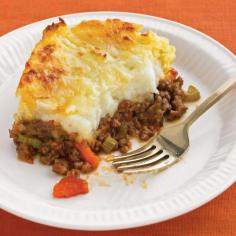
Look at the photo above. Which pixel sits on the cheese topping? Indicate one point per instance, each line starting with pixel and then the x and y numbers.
pixel 77 75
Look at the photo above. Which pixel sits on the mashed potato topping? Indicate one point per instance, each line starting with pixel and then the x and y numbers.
pixel 77 75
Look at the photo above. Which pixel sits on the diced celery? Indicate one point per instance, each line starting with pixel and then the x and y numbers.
pixel 192 94
pixel 122 131
pixel 34 142
pixel 109 144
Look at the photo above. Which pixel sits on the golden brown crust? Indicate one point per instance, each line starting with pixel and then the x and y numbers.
pixel 53 27
pixel 68 63
pixel 111 30
pixel 41 76
pixel 46 53
pixel 113 26
pixel 42 55
pixel 114 31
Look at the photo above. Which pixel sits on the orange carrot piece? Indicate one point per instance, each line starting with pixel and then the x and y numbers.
pixel 70 186
pixel 88 154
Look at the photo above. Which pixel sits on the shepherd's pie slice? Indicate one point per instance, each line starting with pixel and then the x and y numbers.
pixel 77 75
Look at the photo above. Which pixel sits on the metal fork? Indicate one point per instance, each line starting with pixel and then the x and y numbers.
pixel 164 150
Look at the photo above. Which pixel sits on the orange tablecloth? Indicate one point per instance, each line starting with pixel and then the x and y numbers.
pixel 215 18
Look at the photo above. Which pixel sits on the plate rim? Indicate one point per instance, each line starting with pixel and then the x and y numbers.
pixel 218 191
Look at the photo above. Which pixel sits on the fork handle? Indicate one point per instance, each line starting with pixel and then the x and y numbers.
pixel 211 100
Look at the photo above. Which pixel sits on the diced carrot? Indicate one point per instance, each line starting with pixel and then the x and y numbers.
pixel 172 74
pixel 88 154
pixel 70 186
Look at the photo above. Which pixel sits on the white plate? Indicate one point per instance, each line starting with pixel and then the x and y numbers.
pixel 207 169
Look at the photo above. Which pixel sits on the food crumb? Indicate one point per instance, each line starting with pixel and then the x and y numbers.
pixel 144 184
pixel 97 174
pixel 128 178
pixel 108 169
pixel 107 158
pixel 103 183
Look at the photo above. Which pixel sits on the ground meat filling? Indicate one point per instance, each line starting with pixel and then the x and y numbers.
pixel 142 120
pixel 48 141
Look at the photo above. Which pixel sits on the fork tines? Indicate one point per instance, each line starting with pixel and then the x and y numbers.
pixel 146 159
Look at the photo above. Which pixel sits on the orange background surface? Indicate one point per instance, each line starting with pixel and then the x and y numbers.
pixel 215 18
